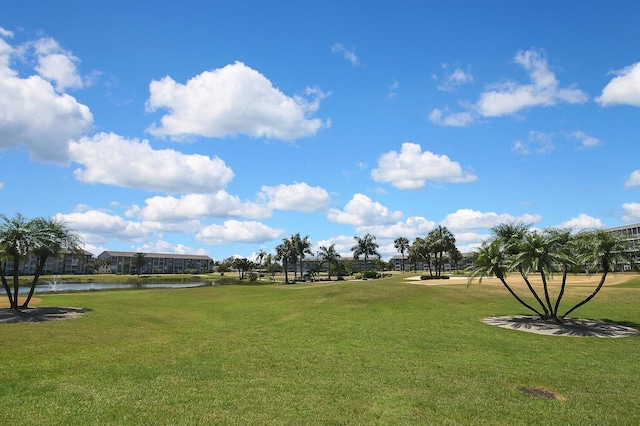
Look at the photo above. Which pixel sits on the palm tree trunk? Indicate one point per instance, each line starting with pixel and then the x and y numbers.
pixel 522 302
pixel 533 291
pixel 546 291
pixel 5 284
pixel 591 296
pixel 562 287
pixel 286 274
pixel 34 282
pixel 16 284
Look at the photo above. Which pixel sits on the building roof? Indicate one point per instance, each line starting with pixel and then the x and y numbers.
pixel 111 253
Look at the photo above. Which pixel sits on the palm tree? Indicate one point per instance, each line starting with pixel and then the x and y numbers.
pixel 515 248
pixel 489 260
pixel 302 247
pixel 455 257
pixel 401 244
pixel 329 255
pixel 41 237
pixel 52 236
pixel 286 252
pixel 604 249
pixel 260 257
pixel 366 246
pixel 139 260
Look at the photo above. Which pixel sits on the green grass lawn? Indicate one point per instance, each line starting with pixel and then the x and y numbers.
pixel 373 352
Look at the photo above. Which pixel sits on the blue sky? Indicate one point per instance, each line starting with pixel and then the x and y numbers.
pixel 219 129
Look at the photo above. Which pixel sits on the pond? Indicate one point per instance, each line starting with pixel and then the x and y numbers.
pixel 54 287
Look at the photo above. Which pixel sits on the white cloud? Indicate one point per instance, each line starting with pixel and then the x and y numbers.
pixel 111 159
pixel 521 148
pixel 191 206
pixel 412 227
pixel 624 89
pixel 233 231
pixel 299 197
pixel 631 212
pixel 468 219
pixel 97 227
pixel 5 33
pixel 586 141
pixel 544 90
pixel 634 179
pixel 412 168
pixel 57 65
pixel 456 119
pixel 35 116
pixel 343 244
pixel 454 79
pixel 582 222
pixel 349 55
pixel 229 101
pixel 361 211
pixel 161 246
pixel 538 142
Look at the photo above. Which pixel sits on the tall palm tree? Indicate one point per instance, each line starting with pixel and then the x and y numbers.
pixel 260 257
pixel 302 247
pixel 365 246
pixel 329 255
pixel 401 244
pixel 286 252
pixel 442 240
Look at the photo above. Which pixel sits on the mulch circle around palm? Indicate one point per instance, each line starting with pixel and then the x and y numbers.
pixel 39 314
pixel 571 327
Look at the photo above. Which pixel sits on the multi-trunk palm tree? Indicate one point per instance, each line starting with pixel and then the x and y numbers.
pixel 365 246
pixel 515 248
pixel 331 256
pixel 41 237
pixel 401 244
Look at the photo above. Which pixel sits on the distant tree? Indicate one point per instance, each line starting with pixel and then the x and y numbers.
pixel 441 241
pixel 260 257
pixel 401 244
pixel 365 246
pixel 286 253
pixel 138 261
pixel 222 268
pixel 455 257
pixel 42 237
pixel 331 256
pixel 302 247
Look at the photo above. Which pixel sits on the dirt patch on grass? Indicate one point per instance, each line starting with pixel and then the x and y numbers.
pixel 539 392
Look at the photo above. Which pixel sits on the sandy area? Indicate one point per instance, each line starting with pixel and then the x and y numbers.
pixel 516 281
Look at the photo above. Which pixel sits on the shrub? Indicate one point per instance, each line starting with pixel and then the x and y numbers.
pixel 370 274
pixel 432 277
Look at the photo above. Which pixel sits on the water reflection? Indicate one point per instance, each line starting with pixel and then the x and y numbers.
pixel 57 286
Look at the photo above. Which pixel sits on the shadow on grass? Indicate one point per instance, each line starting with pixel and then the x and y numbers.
pixel 39 314
pixel 571 327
